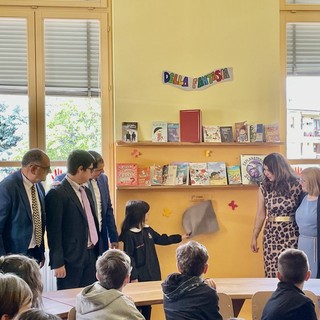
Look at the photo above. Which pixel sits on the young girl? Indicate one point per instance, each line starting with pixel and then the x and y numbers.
pixel 139 243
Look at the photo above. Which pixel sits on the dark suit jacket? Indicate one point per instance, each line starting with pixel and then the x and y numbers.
pixel 16 226
pixel 108 225
pixel 67 226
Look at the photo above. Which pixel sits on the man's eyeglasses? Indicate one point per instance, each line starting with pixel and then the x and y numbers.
pixel 91 169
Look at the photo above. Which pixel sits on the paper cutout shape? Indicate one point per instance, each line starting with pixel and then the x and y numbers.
pixel 136 153
pixel 200 219
pixel 166 212
pixel 233 205
pixel 208 153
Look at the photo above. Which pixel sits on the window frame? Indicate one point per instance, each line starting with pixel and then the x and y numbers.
pixel 288 14
pixel 36 76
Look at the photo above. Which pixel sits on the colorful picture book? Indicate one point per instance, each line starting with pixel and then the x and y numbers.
pixel 198 173
pixel 182 176
pixel 226 133
pixel 169 174
pixel 234 174
pixel 242 132
pixel 251 168
pixel 190 125
pixel 173 132
pixel 130 132
pixel 217 173
pixel 156 172
pixel 211 134
pixel 159 131
pixel 144 176
pixel 272 132
pixel 127 174
pixel 256 132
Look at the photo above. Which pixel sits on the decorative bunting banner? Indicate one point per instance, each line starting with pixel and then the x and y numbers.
pixel 200 83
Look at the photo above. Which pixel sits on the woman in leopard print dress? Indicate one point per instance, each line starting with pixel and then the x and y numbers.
pixel 278 198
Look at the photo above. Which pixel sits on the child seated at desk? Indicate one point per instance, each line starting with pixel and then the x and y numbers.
pixel 104 300
pixel 186 294
pixel 289 302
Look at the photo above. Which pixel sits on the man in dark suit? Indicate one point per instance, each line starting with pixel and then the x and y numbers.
pixel 72 225
pixel 99 187
pixel 22 209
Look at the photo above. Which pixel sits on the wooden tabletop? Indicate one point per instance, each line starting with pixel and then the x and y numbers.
pixel 147 293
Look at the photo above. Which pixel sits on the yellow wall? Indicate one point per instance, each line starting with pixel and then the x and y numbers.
pixel 193 38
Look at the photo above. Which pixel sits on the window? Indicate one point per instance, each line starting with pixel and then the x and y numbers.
pixel 301 62
pixel 54 90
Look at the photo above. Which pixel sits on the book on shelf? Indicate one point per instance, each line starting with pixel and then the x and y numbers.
pixel 173 132
pixel 256 132
pixel 127 174
pixel 251 168
pixel 144 176
pixel 226 133
pixel 182 176
pixel 190 125
pixel 159 131
pixel 272 132
pixel 217 173
pixel 156 175
pixel 198 173
pixel 242 132
pixel 169 173
pixel 234 174
pixel 211 134
pixel 130 132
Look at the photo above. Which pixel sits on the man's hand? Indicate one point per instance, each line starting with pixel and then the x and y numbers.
pixel 60 272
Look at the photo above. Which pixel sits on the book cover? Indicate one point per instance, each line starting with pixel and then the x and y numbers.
pixel 251 168
pixel 256 132
pixel 190 125
pixel 156 174
pixel 169 174
pixel 127 174
pixel 211 134
pixel 130 131
pixel 242 132
pixel 234 174
pixel 272 132
pixel 144 176
pixel 173 132
pixel 198 173
pixel 226 133
pixel 182 176
pixel 217 173
pixel 159 131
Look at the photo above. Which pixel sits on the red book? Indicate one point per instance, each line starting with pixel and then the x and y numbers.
pixel 190 125
pixel 127 174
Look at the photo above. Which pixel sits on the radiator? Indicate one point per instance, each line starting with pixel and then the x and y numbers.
pixel 48 280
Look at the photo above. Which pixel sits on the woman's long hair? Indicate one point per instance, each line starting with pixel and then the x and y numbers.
pixel 136 211
pixel 284 175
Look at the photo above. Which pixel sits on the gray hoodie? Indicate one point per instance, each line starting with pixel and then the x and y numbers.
pixel 97 303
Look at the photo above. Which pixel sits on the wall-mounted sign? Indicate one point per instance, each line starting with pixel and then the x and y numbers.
pixel 199 83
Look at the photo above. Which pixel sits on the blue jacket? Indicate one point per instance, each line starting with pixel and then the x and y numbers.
pixel 16 226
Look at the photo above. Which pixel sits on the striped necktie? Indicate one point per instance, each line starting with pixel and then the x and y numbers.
pixel 36 216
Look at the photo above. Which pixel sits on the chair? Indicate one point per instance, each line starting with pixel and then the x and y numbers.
pixel 225 305
pixel 260 298
pixel 72 314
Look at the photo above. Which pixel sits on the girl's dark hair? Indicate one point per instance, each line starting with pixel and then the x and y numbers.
pixel 282 171
pixel 136 211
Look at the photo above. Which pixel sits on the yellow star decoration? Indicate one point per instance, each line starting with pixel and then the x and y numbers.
pixel 166 212
pixel 208 153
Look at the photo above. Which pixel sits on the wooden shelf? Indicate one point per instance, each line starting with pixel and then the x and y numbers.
pixel 153 188
pixel 191 144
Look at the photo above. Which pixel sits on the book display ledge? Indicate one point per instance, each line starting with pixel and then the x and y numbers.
pixel 224 148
